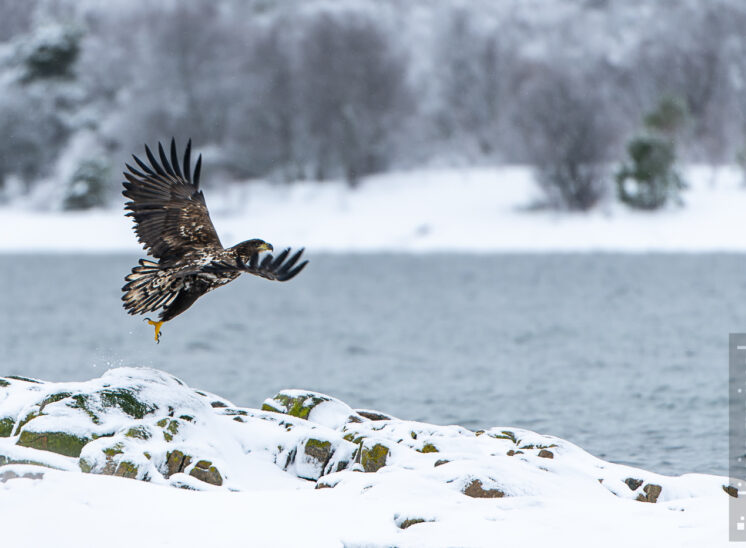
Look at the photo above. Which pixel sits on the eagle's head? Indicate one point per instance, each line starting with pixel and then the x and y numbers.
pixel 246 249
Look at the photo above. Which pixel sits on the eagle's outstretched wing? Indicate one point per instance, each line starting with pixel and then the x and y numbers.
pixel 270 267
pixel 170 213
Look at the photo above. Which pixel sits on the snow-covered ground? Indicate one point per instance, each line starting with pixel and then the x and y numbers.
pixel 308 470
pixel 474 210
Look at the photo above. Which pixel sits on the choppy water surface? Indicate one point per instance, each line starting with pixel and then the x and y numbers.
pixel 625 355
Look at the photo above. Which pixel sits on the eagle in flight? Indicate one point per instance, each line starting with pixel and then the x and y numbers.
pixel 174 226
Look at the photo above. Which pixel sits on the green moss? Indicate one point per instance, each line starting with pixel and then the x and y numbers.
pixel 428 448
pixel 138 432
pixel 321 451
pixel 374 458
pixel 537 446
pixel 114 450
pixel 413 434
pixel 24 379
pixel 170 426
pixel 147 455
pixel 53 398
pixel 4 383
pixel 81 401
pixel 352 436
pixel 6 426
pixel 4 459
pixel 125 399
pixel 126 469
pixel 28 418
pixel 56 442
pixel 298 406
pixel 85 465
pixel 505 435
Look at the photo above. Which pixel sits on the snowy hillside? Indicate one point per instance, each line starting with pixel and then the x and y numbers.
pixel 308 470
pixel 476 210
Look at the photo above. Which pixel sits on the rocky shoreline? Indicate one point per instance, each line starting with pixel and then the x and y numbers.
pixel 147 425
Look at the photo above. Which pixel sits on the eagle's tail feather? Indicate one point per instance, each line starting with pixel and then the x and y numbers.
pixel 146 289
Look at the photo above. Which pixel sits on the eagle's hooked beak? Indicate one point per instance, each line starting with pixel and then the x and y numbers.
pixel 265 247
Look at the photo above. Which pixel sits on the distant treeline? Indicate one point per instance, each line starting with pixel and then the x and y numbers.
pixel 327 90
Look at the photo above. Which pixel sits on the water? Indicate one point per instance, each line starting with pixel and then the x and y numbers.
pixel 625 355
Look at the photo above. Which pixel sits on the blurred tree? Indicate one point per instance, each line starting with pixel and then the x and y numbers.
pixel 669 118
pixel 88 187
pixel 471 74
pixel 650 180
pixel 355 93
pixel 51 52
pixel 568 138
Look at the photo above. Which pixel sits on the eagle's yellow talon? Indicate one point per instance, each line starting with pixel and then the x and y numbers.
pixel 157 326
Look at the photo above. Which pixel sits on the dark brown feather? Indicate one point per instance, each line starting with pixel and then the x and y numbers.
pixel 170 213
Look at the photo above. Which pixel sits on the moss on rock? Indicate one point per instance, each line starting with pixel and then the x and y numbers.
pixel 297 406
pixel 56 442
pixel 428 448
pixel 6 426
pixel 320 451
pixel 176 462
pixel 82 402
pixel 504 435
pixel 127 469
pixel 125 399
pixel 170 428
pixel 138 432
pixel 374 458
pixel 24 379
pixel 85 465
pixel 205 471
pixel 28 418
pixel 53 398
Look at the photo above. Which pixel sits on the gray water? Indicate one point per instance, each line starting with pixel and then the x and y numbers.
pixel 624 355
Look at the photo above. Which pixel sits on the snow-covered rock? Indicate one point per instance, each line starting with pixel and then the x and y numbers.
pixel 148 425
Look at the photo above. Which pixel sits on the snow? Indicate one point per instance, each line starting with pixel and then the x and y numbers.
pixel 274 492
pixel 82 510
pixel 469 210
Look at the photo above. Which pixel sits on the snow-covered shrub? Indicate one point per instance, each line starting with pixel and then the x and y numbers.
pixel 87 186
pixel 51 52
pixel 649 181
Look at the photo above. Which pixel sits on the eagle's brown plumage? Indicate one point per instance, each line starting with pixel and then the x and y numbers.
pixel 174 226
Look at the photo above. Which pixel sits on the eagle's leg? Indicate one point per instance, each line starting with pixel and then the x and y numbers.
pixel 157 326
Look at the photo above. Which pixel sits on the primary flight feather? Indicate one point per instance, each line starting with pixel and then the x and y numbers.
pixel 174 226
